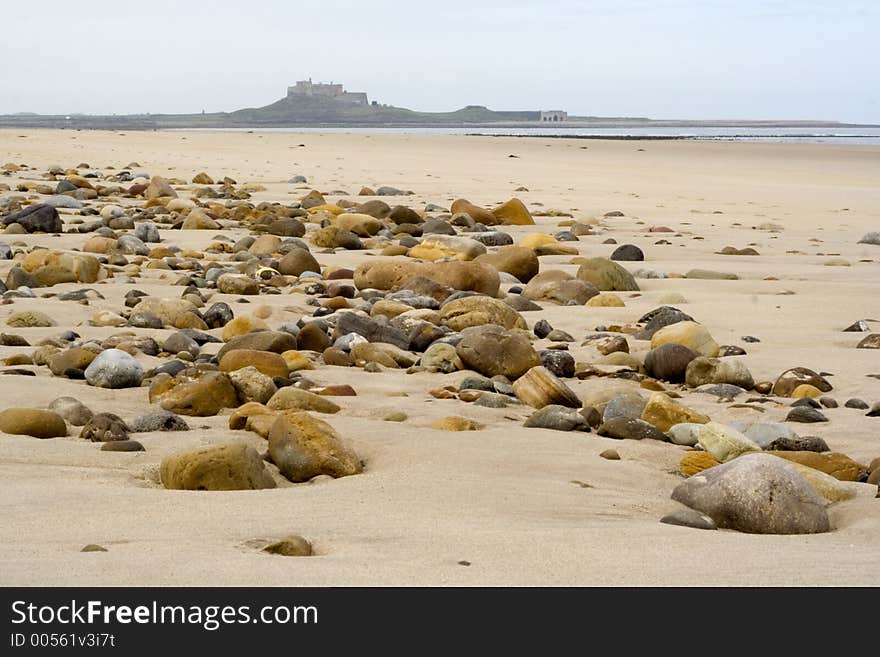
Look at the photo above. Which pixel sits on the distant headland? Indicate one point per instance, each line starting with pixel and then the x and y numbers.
pixel 318 104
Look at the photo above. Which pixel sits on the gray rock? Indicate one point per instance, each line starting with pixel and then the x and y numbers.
pixel 765 433
pixel 60 201
pixel 122 446
pixel 561 363
pixel 805 414
pixel 685 433
pixel 828 402
pixel 5 252
pixel 757 494
pixel 131 245
pixel 177 342
pixel 494 400
pixel 628 252
pixel 669 362
pixel 875 410
pixel 297 179
pixel 114 368
pixel 72 410
pixel 476 383
pixel 493 238
pixel 686 517
pixel 632 428
pixel 36 218
pixel 542 328
pixel 805 444
pixel 721 390
pixel 629 405
pixel 558 335
pixel 158 421
pixel 658 318
pixel 147 231
pixel 871 341
pixel 856 403
pixel 860 326
pixel 104 427
pixel 559 418
pixel 871 238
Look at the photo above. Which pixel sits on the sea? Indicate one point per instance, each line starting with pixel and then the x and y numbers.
pixel 819 135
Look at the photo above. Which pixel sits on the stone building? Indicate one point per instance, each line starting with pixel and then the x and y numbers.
pixel 553 116
pixel 333 91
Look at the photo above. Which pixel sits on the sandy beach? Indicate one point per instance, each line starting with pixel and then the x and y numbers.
pixel 505 505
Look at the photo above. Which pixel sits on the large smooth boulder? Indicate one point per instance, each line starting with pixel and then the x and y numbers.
pixel 513 212
pixel 539 387
pixel 757 494
pixel 478 214
pixel 32 422
pixel 704 371
pixel 514 260
pixel 607 276
pixel 790 379
pixel 492 350
pixel 559 287
pixel 301 400
pixel 39 218
pixel 304 447
pixel 689 334
pixel 389 274
pixel 724 442
pixel 462 313
pixel 228 467
pixel 114 368
pixel 267 362
pixel 194 392
pixel 669 361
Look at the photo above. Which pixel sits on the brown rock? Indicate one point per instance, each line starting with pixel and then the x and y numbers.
pixel 304 447
pixel 229 467
pixel 267 362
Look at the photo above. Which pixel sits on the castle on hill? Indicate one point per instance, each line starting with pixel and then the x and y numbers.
pixel 332 91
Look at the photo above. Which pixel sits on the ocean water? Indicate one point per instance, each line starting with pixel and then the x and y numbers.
pixel 822 135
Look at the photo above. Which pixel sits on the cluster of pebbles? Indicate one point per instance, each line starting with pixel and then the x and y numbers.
pixel 438 290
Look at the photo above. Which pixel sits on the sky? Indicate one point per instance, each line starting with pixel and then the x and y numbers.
pixel 709 59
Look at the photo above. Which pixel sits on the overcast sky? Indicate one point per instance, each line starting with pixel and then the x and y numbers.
pixel 750 59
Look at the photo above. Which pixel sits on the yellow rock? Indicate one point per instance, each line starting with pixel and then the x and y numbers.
pixel 689 334
pixel 514 212
pixel 663 413
pixel 693 462
pixel 203 179
pixel 98 244
pixel 605 300
pixel 534 240
pixel 806 390
pixel 326 207
pixel 241 325
pixel 456 423
pixel 197 219
pixel 296 360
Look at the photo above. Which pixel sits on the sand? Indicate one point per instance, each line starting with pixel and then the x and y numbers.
pixel 507 500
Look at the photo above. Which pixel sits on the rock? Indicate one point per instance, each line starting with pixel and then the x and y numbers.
pixel 689 518
pixel 267 362
pixel 476 213
pixel 839 466
pixel 685 433
pixel 861 326
pixel 114 368
pixel 462 313
pixel 105 427
pixel 372 330
pixel 660 318
pixel 122 446
pixel 792 378
pixel 290 546
pixel 29 319
pixel 492 350
pixel 610 454
pixel 688 334
pixel 805 414
pixel 229 467
pixel 559 287
pixel 71 410
pixel 871 238
pixel 159 187
pixel 203 179
pixel 312 338
pixel 32 422
pixel 304 447
pixel 764 433
pixel 243 325
pixel 74 358
pixel 856 403
pixel 669 361
pixel 724 442
pixel 456 423
pixel 605 300
pixel 632 428
pixel 806 391
pixel 704 371
pixel 798 444
pixel 558 418
pixel 194 392
pixel 237 284
pixel 42 218
pixel 758 494
pixel 875 410
pixel 276 342
pixel 628 253
pixel 252 385
pixel 287 227
pixel 512 212
pixel 697 461
pixel 515 260
pixel 663 413
pixel 435 247
pixel 301 400
pixel 170 311
pixel 298 261
pixel 539 387
pixel 558 362
pixel 630 405
pixel 392 274
pixel 869 342
pixel 158 421
pixel 709 275
pixel 177 342
pixel 606 275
